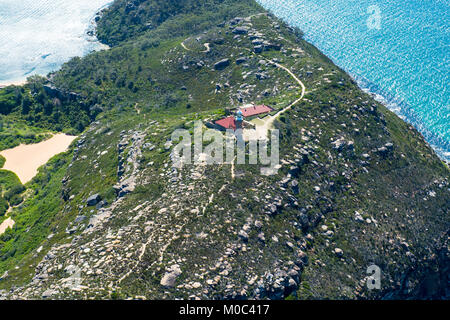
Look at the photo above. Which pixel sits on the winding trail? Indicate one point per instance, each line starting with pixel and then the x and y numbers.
pixel 262 126
pixel 207 46
pixel 184 46
pixel 261 130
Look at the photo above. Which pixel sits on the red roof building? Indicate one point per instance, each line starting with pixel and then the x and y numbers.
pixel 255 110
pixel 227 123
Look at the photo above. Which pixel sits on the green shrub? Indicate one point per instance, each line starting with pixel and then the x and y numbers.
pixel 15 200
pixel 8 180
pixel 13 192
pixel 3 206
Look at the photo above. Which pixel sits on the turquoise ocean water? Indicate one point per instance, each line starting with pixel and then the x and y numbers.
pixel 397 49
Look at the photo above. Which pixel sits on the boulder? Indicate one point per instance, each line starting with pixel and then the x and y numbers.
pixel 273 209
pixel 389 146
pixel 243 235
pixel 124 188
pixel 241 60
pixel 339 144
pixel 222 64
pixel 48 293
pixel 101 204
pixel 261 237
pixel 168 280
pixel 93 200
pixel 383 151
pixel 240 30
pixel 295 186
pixel 339 252
pixel 258 49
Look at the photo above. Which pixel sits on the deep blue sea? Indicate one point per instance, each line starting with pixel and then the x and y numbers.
pixel 397 49
pixel 38 36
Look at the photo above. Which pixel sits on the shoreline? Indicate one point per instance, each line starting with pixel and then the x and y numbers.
pixel 25 159
pixel 405 114
pixel 91 26
pixel 17 83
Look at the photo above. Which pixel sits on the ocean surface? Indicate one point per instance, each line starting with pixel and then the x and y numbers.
pixel 396 49
pixel 38 36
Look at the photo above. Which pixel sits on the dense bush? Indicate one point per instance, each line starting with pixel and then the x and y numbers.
pixel 13 192
pixel 124 19
pixel 55 111
pixel 10 190
pixel 15 200
pixel 3 206
pixel 9 98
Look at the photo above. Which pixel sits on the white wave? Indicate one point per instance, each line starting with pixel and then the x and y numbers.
pixel 37 36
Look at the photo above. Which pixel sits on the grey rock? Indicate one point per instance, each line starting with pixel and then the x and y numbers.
pixel 261 237
pixel 169 279
pixel 389 146
pixel 240 30
pixel 49 293
pixel 93 200
pixel 243 235
pixel 101 204
pixel 80 219
pixel 241 60
pixel 339 252
pixel 258 49
pixel 222 64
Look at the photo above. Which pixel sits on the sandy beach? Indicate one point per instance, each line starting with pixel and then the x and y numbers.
pixel 24 160
pixel 8 223
pixel 11 83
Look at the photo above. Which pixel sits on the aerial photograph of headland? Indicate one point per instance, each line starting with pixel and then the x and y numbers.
pixel 224 155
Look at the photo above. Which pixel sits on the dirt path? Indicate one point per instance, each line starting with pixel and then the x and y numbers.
pixel 24 160
pixel 233 172
pixel 262 126
pixel 184 46
pixel 207 47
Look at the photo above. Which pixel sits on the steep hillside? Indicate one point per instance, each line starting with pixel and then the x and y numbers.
pixel 113 218
pixel 125 20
